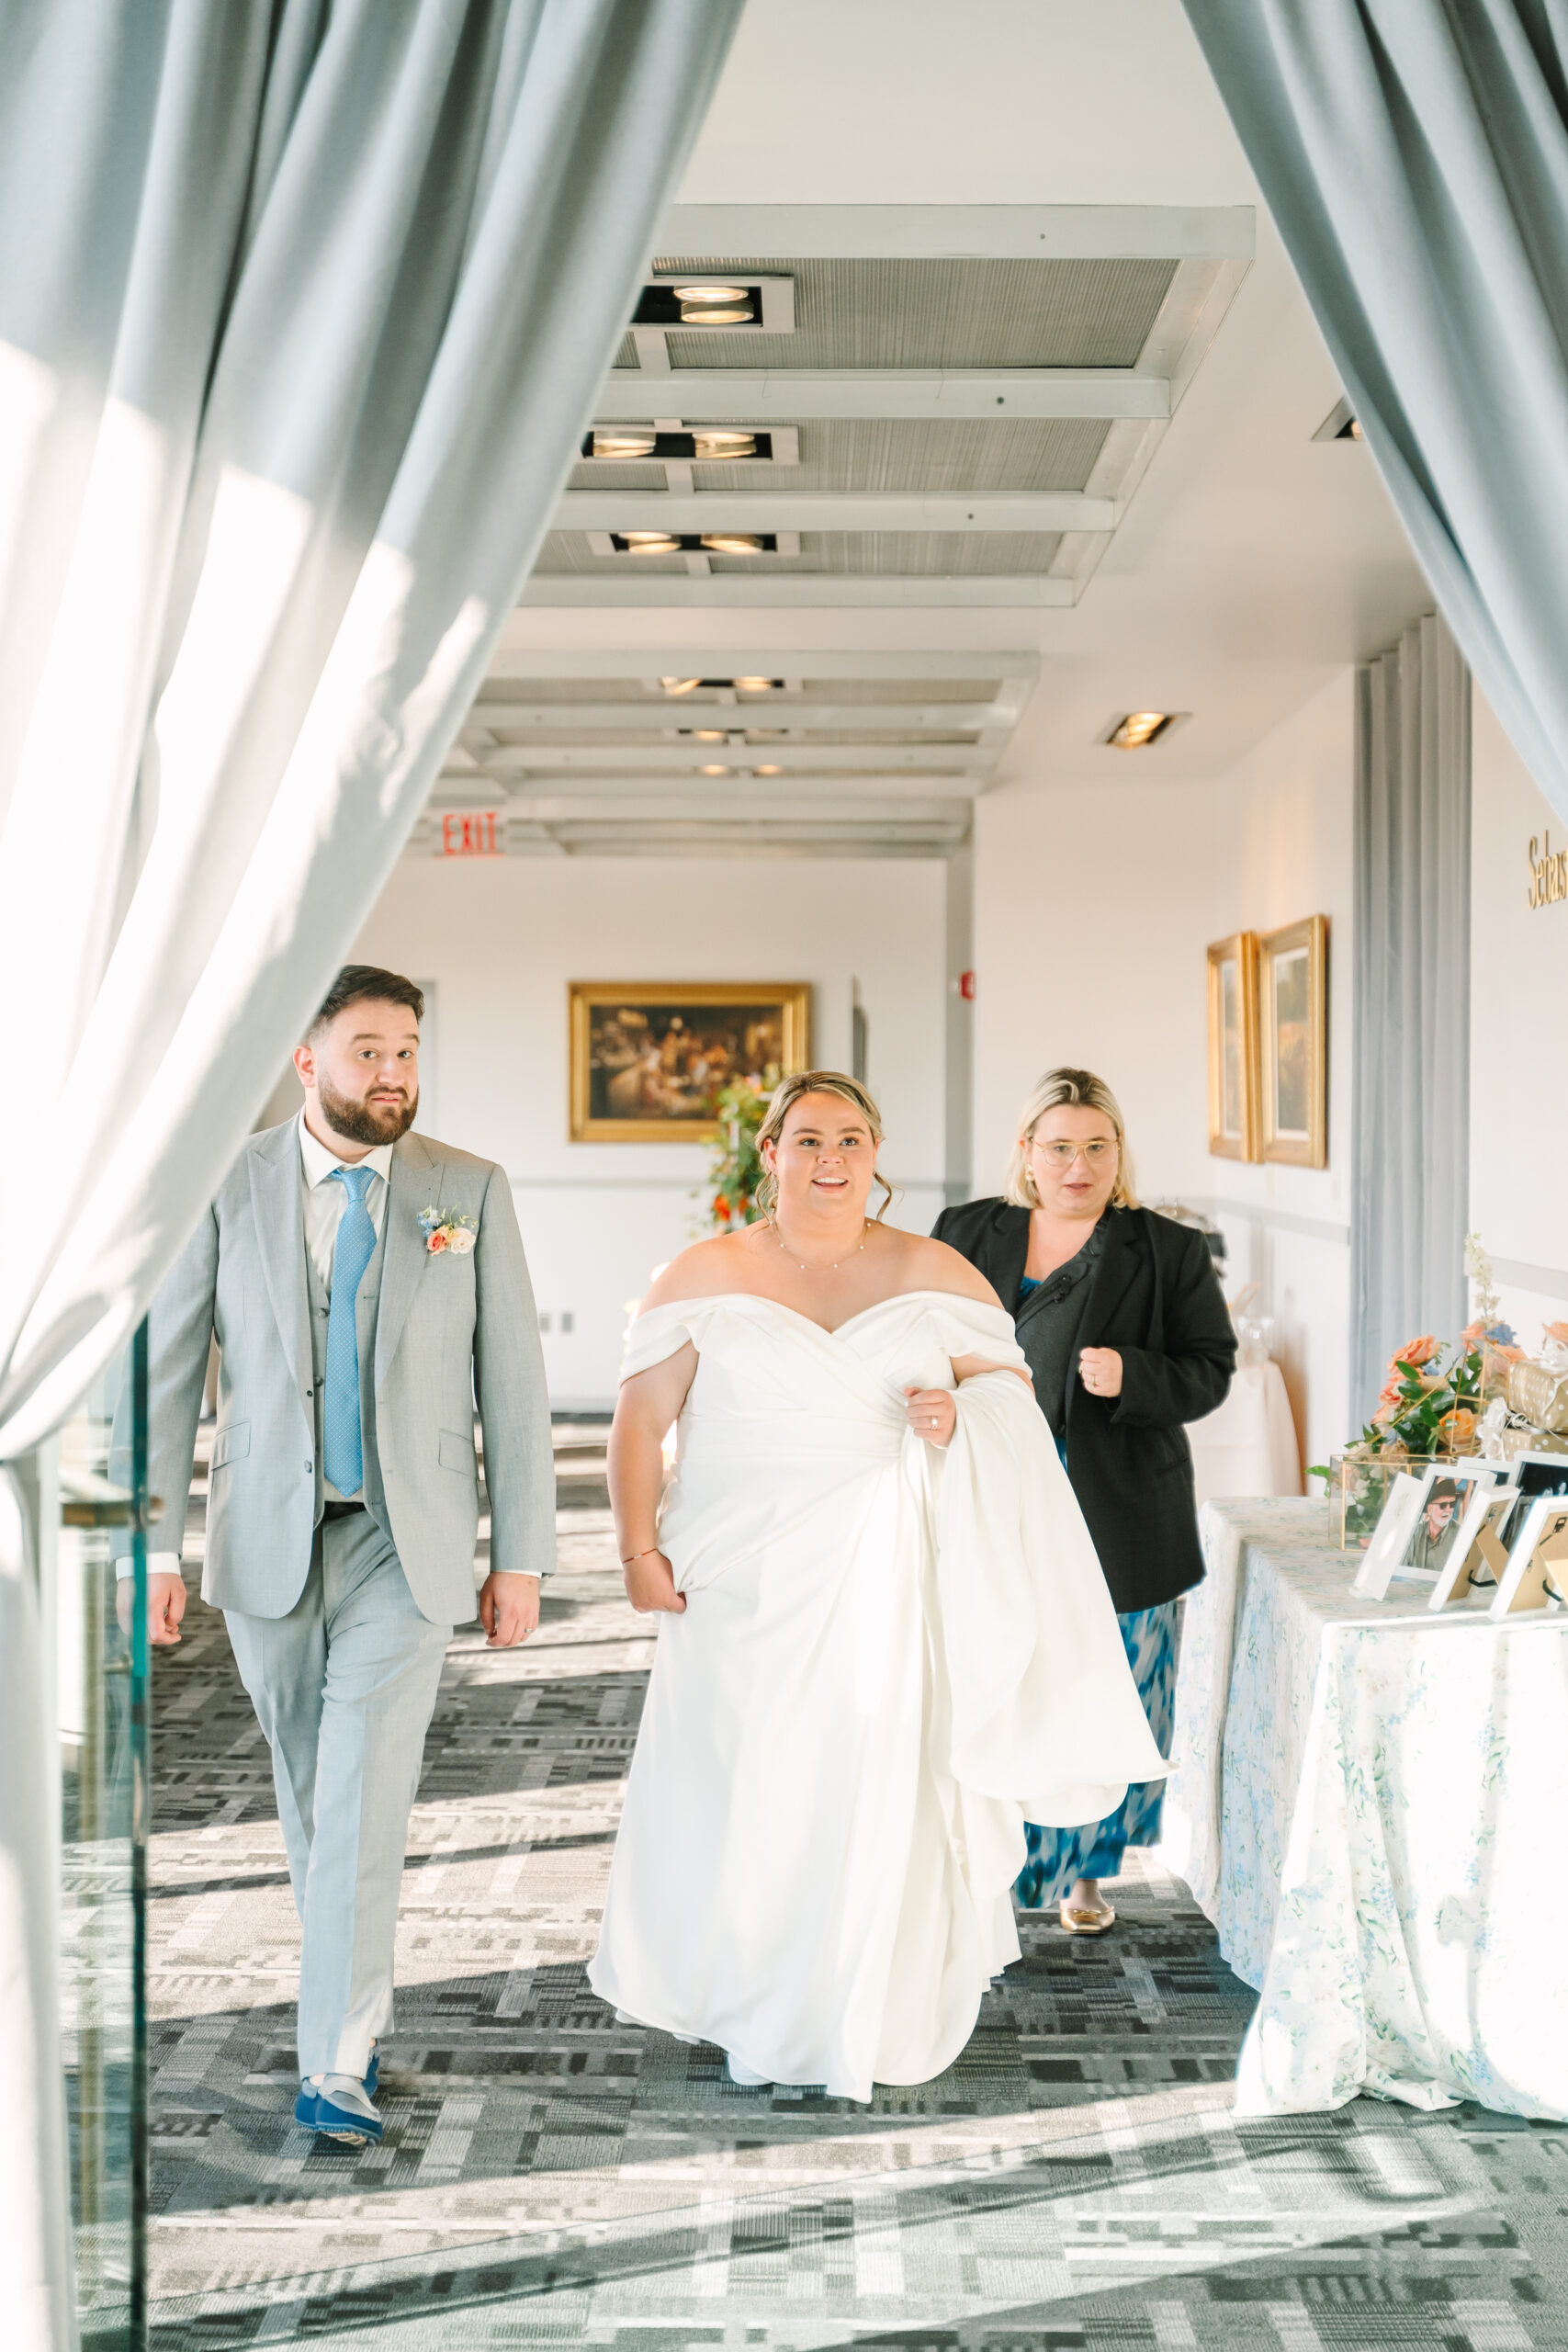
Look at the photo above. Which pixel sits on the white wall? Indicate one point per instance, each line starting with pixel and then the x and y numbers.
pixel 1094 906
pixel 500 940
pixel 1518 1063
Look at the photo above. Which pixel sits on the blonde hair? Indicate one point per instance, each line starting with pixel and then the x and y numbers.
pixel 1059 1086
pixel 783 1101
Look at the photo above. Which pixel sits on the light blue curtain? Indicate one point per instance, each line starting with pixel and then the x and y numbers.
pixel 1414 155
pixel 304 305
pixel 1410 1131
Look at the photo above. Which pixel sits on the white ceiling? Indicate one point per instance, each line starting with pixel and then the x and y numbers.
pixel 1247 561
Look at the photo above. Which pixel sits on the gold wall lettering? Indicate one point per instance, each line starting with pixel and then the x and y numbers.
pixel 1549 873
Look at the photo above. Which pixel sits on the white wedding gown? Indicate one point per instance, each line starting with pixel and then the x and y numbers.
pixel 889 1659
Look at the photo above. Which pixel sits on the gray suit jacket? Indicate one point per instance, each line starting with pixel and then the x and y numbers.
pixel 439 1332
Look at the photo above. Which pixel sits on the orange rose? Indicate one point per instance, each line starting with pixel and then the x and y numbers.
pixel 1558 1332
pixel 437 1242
pixel 1418 1352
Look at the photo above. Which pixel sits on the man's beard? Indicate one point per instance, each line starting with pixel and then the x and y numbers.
pixel 363 1122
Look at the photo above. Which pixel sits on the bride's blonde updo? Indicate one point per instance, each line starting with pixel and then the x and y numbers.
pixel 783 1101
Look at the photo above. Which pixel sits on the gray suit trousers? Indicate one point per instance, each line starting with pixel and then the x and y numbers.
pixel 344 1687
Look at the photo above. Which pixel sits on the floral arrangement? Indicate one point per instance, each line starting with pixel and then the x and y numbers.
pixel 442 1230
pixel 735 1170
pixel 1430 1407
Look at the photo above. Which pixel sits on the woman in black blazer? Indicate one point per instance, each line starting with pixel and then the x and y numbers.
pixel 1128 1336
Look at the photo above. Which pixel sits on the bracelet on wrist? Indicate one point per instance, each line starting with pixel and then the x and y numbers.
pixel 651 1552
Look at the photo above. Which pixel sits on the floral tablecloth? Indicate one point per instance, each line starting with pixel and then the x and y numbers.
pixel 1368 1802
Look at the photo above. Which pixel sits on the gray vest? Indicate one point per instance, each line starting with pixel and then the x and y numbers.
pixel 321 1306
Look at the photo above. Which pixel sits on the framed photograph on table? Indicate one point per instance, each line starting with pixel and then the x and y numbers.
pixel 1537 1573
pixel 1232 1047
pixel 1392 1534
pixel 1531 1475
pixel 647 1059
pixel 1478 1554
pixel 1292 1021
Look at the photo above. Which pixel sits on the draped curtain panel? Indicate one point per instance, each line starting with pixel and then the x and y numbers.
pixel 1410 1132
pixel 1414 155
pixel 305 304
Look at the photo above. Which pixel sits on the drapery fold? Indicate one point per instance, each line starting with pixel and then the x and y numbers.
pixel 1414 155
pixel 305 303
pixel 1410 1133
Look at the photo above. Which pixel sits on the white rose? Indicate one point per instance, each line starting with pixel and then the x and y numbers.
pixel 461 1242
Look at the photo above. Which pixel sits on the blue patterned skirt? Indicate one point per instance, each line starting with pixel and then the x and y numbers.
pixel 1058 1857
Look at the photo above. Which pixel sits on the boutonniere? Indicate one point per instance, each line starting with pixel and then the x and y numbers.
pixel 442 1230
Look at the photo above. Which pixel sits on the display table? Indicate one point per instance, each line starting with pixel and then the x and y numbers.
pixel 1368 1803
pixel 1248 1445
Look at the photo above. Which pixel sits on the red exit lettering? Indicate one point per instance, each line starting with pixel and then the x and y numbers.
pixel 472 835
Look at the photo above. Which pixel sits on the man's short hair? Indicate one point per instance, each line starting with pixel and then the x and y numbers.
pixel 364 984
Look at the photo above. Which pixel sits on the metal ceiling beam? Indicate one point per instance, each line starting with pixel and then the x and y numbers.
pixel 666 712
pixel 815 589
pixel 759 232
pixel 681 759
pixel 816 510
pixel 1017 666
pixel 857 803
pixel 752 396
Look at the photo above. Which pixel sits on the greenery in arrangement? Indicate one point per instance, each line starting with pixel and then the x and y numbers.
pixel 735 1170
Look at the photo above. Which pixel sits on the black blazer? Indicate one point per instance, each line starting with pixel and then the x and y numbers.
pixel 1156 1299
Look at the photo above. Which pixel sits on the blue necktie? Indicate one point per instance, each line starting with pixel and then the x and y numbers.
pixel 343 1453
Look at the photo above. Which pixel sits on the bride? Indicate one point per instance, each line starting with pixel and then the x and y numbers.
pixel 887 1642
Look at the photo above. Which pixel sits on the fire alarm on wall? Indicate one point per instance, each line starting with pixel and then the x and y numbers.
pixel 967 987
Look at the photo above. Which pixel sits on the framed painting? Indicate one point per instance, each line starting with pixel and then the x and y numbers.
pixel 1232 1047
pixel 647 1059
pixel 1292 1020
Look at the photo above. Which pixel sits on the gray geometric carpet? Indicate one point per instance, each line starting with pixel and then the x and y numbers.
pixel 551 2177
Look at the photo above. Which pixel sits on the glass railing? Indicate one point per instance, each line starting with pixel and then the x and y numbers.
pixel 98 1642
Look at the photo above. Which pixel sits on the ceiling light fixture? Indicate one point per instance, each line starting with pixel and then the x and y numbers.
pixel 622 441
pixel 713 771
pixel 715 306
pixel 713 444
pixel 755 686
pixel 704 734
pixel 767 770
pixel 733 542
pixel 680 685
pixel 650 543
pixel 1138 730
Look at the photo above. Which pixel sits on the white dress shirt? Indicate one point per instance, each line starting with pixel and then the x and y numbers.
pixel 323 1203
pixel 326 1200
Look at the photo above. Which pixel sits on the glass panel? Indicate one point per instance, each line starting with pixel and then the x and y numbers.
pixel 100 1681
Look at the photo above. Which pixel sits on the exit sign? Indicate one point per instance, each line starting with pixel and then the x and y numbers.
pixel 469 836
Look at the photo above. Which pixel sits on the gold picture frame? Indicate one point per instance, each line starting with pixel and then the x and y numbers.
pixel 1232 1047
pixel 1293 1022
pixel 642 1055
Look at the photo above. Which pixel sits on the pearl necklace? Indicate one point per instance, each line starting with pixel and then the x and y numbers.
pixel 833 1269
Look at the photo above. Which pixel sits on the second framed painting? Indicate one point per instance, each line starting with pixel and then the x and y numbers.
pixel 649 1058
pixel 1293 1022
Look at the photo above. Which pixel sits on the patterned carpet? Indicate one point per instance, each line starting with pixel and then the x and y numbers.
pixel 551 2177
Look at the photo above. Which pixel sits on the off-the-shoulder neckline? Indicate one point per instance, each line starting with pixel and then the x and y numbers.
pixel 829 1331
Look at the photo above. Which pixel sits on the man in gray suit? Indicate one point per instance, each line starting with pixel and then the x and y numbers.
pixel 366 1287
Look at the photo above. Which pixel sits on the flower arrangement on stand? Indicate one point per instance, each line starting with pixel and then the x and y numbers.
pixel 1429 1408
pixel 734 1170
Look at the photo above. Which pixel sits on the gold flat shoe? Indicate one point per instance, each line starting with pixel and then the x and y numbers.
pixel 1084 1923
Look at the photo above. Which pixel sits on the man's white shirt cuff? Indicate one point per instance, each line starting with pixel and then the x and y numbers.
pixel 159 1563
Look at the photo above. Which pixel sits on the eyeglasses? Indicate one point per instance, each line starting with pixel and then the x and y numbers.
pixel 1062 1155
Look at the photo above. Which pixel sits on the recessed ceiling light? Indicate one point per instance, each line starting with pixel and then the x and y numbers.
pixel 715 306
pixel 733 542
pixel 650 543
pixel 712 444
pixel 1350 430
pixel 704 734
pixel 1138 730
pixel 767 770
pixel 1341 423
pixel 679 686
pixel 622 441
pixel 755 686
pixel 713 771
